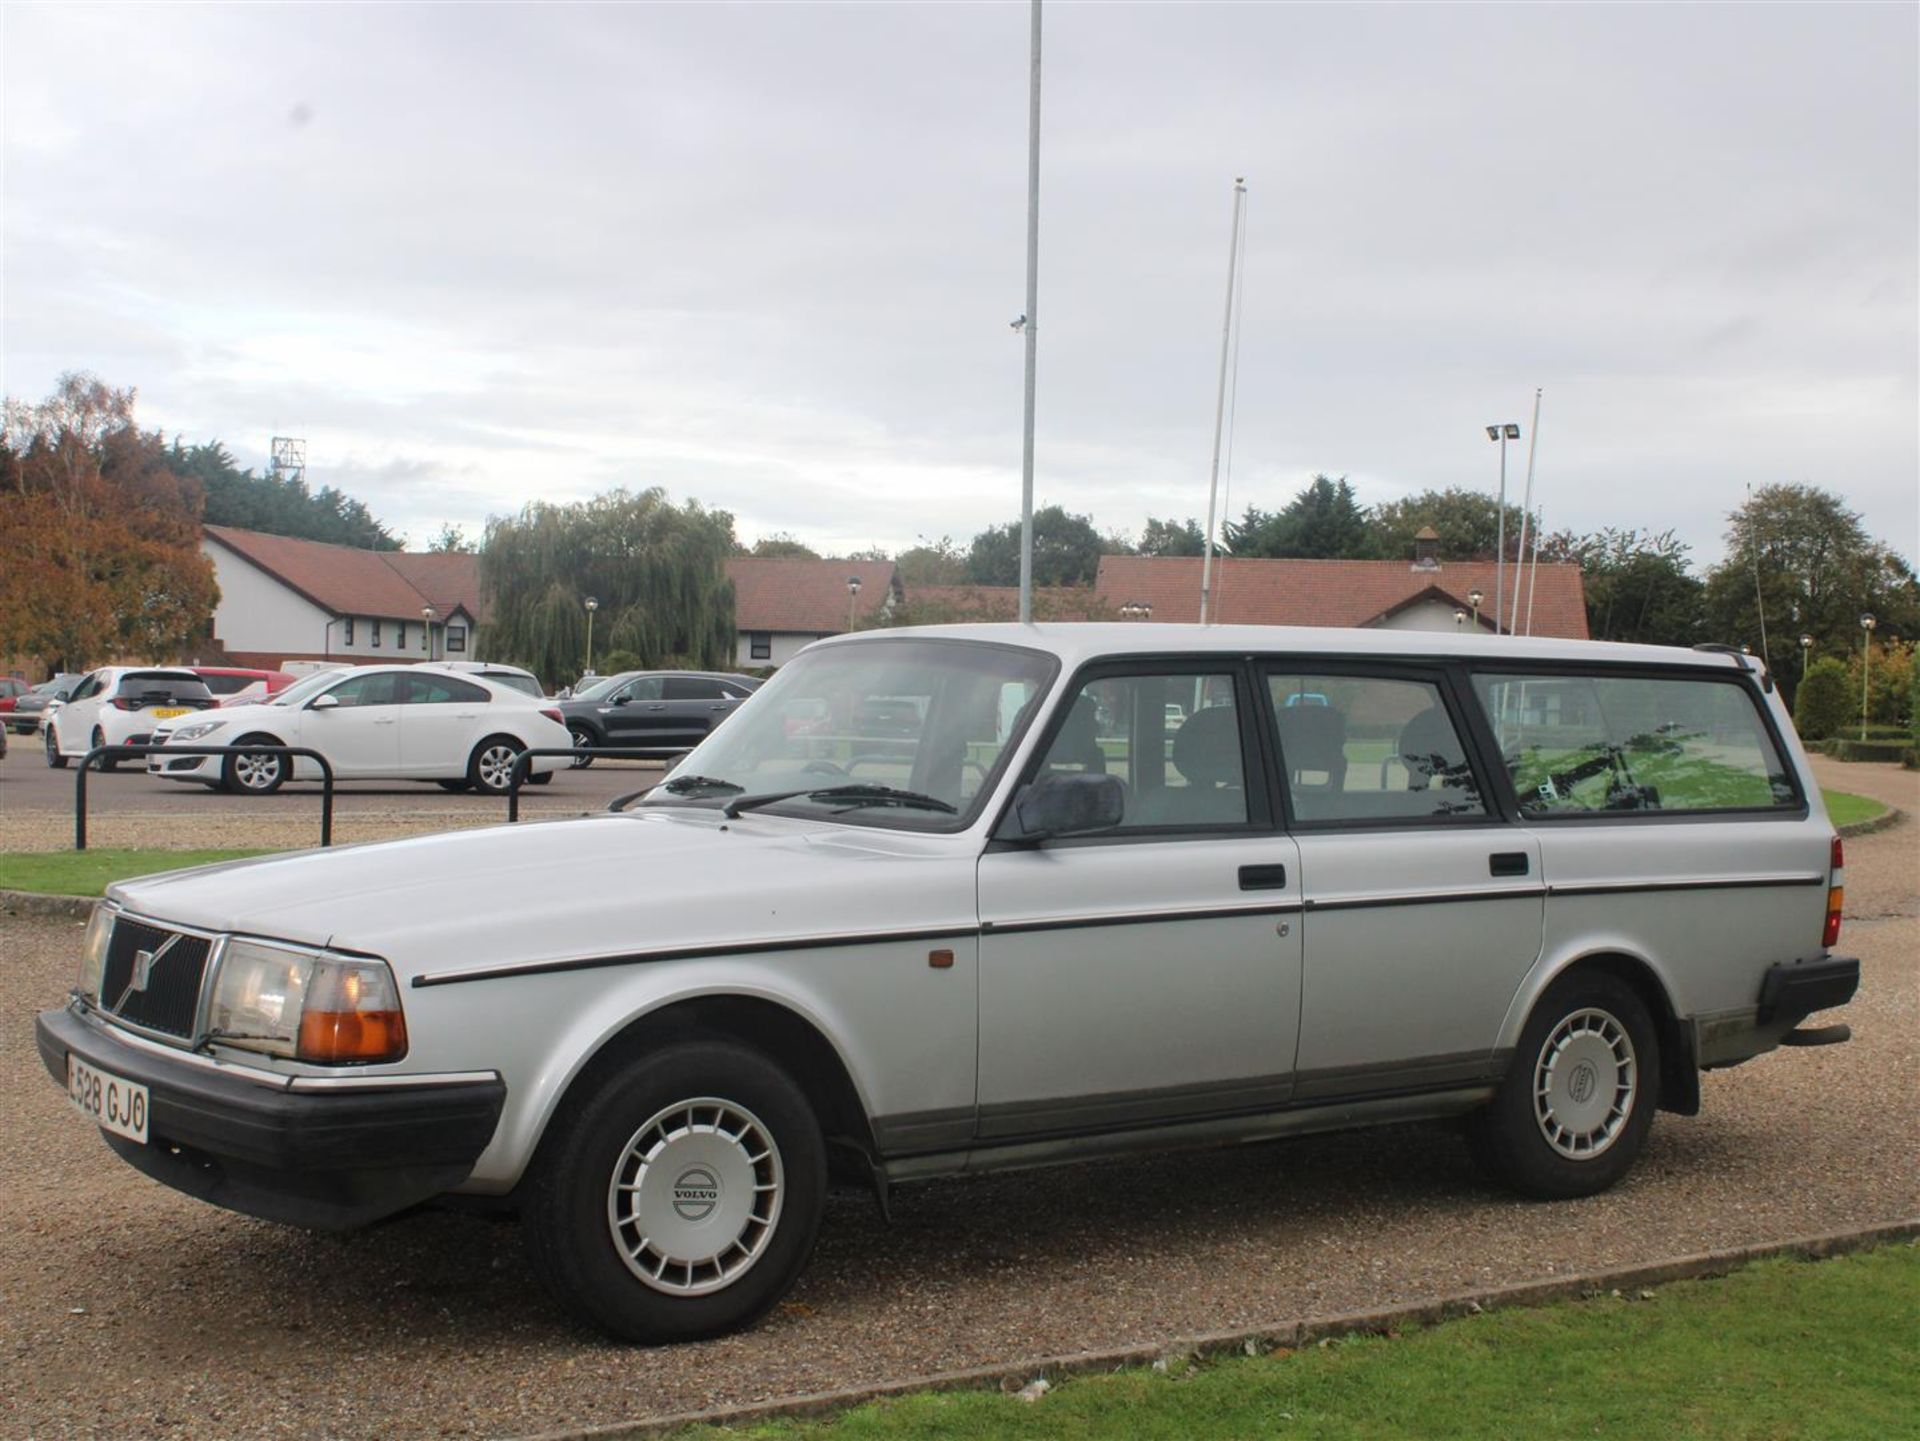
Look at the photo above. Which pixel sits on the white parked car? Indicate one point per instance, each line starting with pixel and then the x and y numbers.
pixel 394 722
pixel 1533 886
pixel 121 705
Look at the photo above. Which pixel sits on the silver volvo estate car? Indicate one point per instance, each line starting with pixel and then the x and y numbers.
pixel 1088 890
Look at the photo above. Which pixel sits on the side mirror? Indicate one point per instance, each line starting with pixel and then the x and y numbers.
pixel 1068 806
pixel 620 699
pixel 329 701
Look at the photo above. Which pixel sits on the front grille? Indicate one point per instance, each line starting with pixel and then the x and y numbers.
pixel 170 998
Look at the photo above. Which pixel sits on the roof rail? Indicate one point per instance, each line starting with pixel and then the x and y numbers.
pixel 1745 657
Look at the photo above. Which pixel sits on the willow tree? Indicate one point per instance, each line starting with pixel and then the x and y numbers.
pixel 658 571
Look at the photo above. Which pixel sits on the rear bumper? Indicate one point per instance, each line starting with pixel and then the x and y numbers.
pixel 332 1159
pixel 1789 993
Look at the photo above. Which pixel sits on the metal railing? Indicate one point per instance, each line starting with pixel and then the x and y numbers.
pixel 522 766
pixel 119 753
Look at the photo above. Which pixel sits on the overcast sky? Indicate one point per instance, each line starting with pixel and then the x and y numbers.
pixel 766 255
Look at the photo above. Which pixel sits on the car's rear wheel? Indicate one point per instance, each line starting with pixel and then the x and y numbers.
pixel 683 1196
pixel 583 739
pixel 490 768
pixel 55 760
pixel 1578 1101
pixel 98 740
pixel 254 773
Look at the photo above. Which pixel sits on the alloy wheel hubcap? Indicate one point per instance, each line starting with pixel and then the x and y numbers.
pixel 255 771
pixel 1584 1084
pixel 496 766
pixel 695 1196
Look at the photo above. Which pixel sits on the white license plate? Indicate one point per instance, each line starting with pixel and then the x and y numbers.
pixel 169 712
pixel 107 1100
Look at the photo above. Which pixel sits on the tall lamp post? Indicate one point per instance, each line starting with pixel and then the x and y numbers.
pixel 853 596
pixel 1474 597
pixel 592 606
pixel 426 623
pixel 1459 617
pixel 1503 432
pixel 1806 654
pixel 1867 624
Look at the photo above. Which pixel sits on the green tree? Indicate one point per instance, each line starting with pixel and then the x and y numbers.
pixel 781 545
pixel 1323 522
pixel 1066 551
pixel 1820 710
pixel 452 540
pixel 1638 584
pixel 1467 522
pixel 1172 537
pixel 657 570
pixel 239 498
pixel 1799 551
pixel 931 562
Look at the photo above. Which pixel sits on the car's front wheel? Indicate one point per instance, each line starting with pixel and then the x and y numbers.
pixel 683 1196
pixel 55 759
pixel 254 773
pixel 490 767
pixel 1579 1096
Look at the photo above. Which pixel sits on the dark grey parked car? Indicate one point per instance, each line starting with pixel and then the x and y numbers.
pixel 24 718
pixel 656 710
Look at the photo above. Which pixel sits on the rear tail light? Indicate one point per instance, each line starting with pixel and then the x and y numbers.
pixel 1836 896
pixel 121 702
pixel 555 717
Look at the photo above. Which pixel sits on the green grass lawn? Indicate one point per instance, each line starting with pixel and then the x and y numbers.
pixel 1844 808
pixel 1781 1349
pixel 89 873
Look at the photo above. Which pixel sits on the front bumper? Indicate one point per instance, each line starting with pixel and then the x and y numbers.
pixel 331 1159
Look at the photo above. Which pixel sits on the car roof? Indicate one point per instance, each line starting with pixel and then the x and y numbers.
pixel 1075 643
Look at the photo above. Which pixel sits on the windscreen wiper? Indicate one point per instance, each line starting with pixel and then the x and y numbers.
pixel 854 795
pixel 687 785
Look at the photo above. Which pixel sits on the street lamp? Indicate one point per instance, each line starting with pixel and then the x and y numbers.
pixel 1806 653
pixel 853 594
pixel 1474 597
pixel 1459 617
pixel 592 606
pixel 1136 610
pixel 1503 433
pixel 426 618
pixel 1867 624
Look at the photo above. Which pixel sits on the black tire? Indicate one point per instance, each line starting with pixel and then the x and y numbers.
pixel 1591 1056
pixel 55 761
pixel 98 740
pixel 582 738
pixel 455 786
pixel 572 1238
pixel 490 767
pixel 253 773
pixel 539 778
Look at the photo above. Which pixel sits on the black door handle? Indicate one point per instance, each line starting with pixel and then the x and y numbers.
pixel 1507 863
pixel 1263 878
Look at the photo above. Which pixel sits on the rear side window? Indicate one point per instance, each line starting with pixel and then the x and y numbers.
pixel 1370 749
pixel 693 687
pixel 443 690
pixel 1576 745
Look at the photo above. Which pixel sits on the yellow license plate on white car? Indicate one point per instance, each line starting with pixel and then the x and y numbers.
pixel 109 1101
pixel 169 712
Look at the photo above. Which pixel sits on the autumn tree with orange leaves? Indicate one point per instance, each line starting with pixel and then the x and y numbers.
pixel 99 539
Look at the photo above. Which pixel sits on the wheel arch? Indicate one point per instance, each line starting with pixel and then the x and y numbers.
pixel 1679 1069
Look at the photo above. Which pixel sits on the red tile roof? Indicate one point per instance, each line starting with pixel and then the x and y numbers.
pixel 1330 592
pixel 808 596
pixel 345 580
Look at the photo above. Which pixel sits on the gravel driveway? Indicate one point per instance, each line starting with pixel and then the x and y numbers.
pixel 127 1309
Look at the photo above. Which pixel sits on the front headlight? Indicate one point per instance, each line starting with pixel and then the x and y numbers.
pixel 193 732
pixel 93 952
pixel 307 1007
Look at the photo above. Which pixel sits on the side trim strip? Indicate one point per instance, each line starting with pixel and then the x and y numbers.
pixel 1428 898
pixel 1738 883
pixel 691 953
pixel 1137 918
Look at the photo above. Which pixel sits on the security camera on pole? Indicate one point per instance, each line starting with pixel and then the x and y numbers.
pixel 1503 432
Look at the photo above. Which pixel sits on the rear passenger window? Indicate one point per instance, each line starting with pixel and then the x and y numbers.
pixel 443 690
pixel 1370 748
pixel 1580 744
pixel 1172 740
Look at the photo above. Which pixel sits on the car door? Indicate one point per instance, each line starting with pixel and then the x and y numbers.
pixel 1148 974
pixel 634 713
pixel 359 732
pixel 441 719
pixel 73 723
pixel 1424 907
pixel 695 705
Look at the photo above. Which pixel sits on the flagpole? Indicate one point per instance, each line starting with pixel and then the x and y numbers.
pixel 1032 327
pixel 1526 513
pixel 1220 402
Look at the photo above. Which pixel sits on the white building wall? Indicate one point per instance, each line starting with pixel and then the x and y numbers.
pixel 786 645
pixel 258 613
pixel 1428 615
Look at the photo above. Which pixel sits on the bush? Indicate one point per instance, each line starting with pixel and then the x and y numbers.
pixel 615 661
pixel 1851 750
pixel 1820 710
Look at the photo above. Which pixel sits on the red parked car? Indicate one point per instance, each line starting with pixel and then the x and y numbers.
pixel 234 686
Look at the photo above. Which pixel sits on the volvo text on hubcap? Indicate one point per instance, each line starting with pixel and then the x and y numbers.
pixel 1584 1084
pixel 695 1196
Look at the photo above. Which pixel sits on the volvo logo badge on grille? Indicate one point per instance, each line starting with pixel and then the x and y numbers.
pixel 696 1194
pixel 143 964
